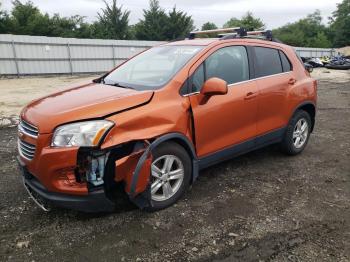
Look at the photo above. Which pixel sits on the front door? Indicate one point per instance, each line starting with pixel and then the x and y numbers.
pixel 221 121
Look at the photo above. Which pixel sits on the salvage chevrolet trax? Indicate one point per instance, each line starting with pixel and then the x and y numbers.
pixel 150 125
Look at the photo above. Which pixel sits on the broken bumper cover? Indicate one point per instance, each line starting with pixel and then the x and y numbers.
pixel 95 201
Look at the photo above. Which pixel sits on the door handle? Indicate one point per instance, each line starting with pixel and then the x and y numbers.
pixel 250 95
pixel 292 81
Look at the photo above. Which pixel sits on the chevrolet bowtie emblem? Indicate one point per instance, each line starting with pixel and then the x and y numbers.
pixel 20 133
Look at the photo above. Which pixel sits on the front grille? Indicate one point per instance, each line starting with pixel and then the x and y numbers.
pixel 26 150
pixel 28 129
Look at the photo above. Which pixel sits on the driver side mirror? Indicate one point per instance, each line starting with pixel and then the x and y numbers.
pixel 214 86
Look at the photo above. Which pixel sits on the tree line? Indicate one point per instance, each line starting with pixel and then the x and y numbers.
pixel 157 24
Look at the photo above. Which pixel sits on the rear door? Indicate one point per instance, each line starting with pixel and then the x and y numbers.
pixel 274 76
pixel 224 120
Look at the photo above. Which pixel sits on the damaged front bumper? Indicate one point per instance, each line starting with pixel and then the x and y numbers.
pixel 84 179
pixel 94 201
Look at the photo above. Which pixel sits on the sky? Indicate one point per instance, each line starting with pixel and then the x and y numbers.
pixel 274 13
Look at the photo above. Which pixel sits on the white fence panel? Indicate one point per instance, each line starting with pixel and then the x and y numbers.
pixel 30 55
pixel 314 52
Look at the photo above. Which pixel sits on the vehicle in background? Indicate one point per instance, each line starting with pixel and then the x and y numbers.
pixel 339 62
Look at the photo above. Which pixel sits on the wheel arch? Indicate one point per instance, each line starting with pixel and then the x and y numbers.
pixel 185 143
pixel 178 138
pixel 310 108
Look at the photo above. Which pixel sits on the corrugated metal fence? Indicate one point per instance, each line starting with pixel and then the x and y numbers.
pixel 31 55
pixel 315 52
pixel 37 55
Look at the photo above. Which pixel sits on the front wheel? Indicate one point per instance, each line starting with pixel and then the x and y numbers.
pixel 297 133
pixel 170 175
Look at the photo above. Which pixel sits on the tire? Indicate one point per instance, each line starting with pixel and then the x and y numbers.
pixel 169 151
pixel 289 143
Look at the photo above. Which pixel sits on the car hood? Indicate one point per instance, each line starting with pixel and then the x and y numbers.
pixel 83 102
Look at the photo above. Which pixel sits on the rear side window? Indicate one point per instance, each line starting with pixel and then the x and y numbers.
pixel 267 62
pixel 228 63
pixel 299 58
pixel 286 65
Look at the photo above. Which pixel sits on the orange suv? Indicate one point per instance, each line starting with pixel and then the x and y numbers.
pixel 150 125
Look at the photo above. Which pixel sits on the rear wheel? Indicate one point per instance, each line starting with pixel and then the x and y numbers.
pixel 297 133
pixel 170 175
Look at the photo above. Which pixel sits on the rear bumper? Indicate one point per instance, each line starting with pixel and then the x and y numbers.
pixel 95 201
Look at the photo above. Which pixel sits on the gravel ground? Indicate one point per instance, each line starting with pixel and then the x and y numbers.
pixel 260 206
pixel 17 92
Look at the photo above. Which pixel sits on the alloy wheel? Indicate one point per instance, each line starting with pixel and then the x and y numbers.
pixel 167 174
pixel 300 133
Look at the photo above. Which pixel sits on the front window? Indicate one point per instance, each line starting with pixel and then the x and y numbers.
pixel 228 63
pixel 153 68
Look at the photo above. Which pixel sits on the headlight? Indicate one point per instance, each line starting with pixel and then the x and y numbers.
pixel 87 133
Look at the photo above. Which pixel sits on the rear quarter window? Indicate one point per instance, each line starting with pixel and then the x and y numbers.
pixel 267 61
pixel 286 64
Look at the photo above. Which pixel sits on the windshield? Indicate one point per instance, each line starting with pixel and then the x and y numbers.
pixel 153 68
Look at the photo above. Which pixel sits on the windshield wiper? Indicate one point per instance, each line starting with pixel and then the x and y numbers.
pixel 118 85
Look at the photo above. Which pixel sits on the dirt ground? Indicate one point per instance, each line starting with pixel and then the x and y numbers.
pixel 263 206
pixel 17 92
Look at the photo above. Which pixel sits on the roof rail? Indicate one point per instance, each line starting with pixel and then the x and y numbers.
pixel 261 34
pixel 193 34
pixel 236 32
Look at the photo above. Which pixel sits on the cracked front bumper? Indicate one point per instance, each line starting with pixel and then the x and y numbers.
pixel 95 201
